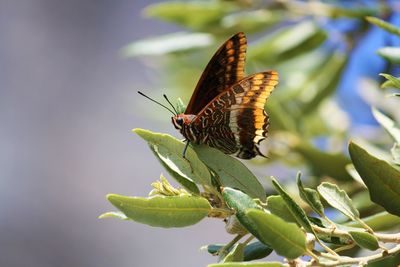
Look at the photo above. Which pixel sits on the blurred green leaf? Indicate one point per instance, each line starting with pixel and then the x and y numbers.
pixel 390 53
pixel 236 254
pixel 250 21
pixel 388 124
pixel 323 163
pixel 276 205
pixel 162 211
pixel 231 172
pixel 378 222
pixel 384 25
pixel 391 81
pixel 195 15
pixel 338 199
pixel 323 83
pixel 382 180
pixel 294 208
pixel 365 240
pixel 311 197
pixel 395 150
pixel 287 239
pixel 246 264
pixel 287 43
pixel 170 43
pixel 169 150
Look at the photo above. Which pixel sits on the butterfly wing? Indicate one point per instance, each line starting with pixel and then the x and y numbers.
pixel 225 68
pixel 235 120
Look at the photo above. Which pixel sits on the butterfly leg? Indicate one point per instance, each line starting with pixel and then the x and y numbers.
pixel 186 146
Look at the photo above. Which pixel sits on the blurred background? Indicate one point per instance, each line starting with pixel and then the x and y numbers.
pixel 68 101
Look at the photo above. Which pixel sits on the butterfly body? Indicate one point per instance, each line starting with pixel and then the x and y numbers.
pixel 226 110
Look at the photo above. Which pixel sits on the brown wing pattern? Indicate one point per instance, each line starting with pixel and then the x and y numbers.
pixel 225 68
pixel 235 120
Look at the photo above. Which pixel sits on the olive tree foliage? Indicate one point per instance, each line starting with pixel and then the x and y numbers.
pixel 345 208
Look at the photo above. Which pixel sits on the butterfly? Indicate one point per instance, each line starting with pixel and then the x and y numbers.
pixel 226 110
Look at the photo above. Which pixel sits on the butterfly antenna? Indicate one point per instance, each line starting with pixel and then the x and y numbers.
pixel 166 98
pixel 175 113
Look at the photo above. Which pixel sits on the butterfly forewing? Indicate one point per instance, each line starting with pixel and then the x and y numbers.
pixel 235 120
pixel 225 68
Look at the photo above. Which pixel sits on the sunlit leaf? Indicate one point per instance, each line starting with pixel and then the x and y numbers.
pixel 382 180
pixel 162 211
pixel 388 124
pixel 338 199
pixel 384 25
pixel 231 172
pixel 390 53
pixel 287 239
pixel 169 150
pixel 365 240
pixel 287 43
pixel 391 81
pixel 160 45
pixel 114 214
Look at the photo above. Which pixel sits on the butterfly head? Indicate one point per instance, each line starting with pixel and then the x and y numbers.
pixel 179 120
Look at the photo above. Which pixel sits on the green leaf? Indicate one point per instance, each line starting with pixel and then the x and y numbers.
pixel 196 15
pixel 388 124
pixel 169 150
pixel 382 180
pixel 390 53
pixel 287 43
pixel 114 214
pixel 391 81
pixel 384 25
pixel 338 199
pixel 231 172
pixel 182 180
pixel 253 251
pixel 378 222
pixel 236 254
pixel 247 264
pixel 240 202
pixel 162 211
pixel 365 240
pixel 165 44
pixel 311 197
pixel 294 208
pixel 287 239
pixel 276 205
pixel 251 21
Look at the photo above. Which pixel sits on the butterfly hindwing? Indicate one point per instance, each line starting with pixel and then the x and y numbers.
pixel 225 68
pixel 235 120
